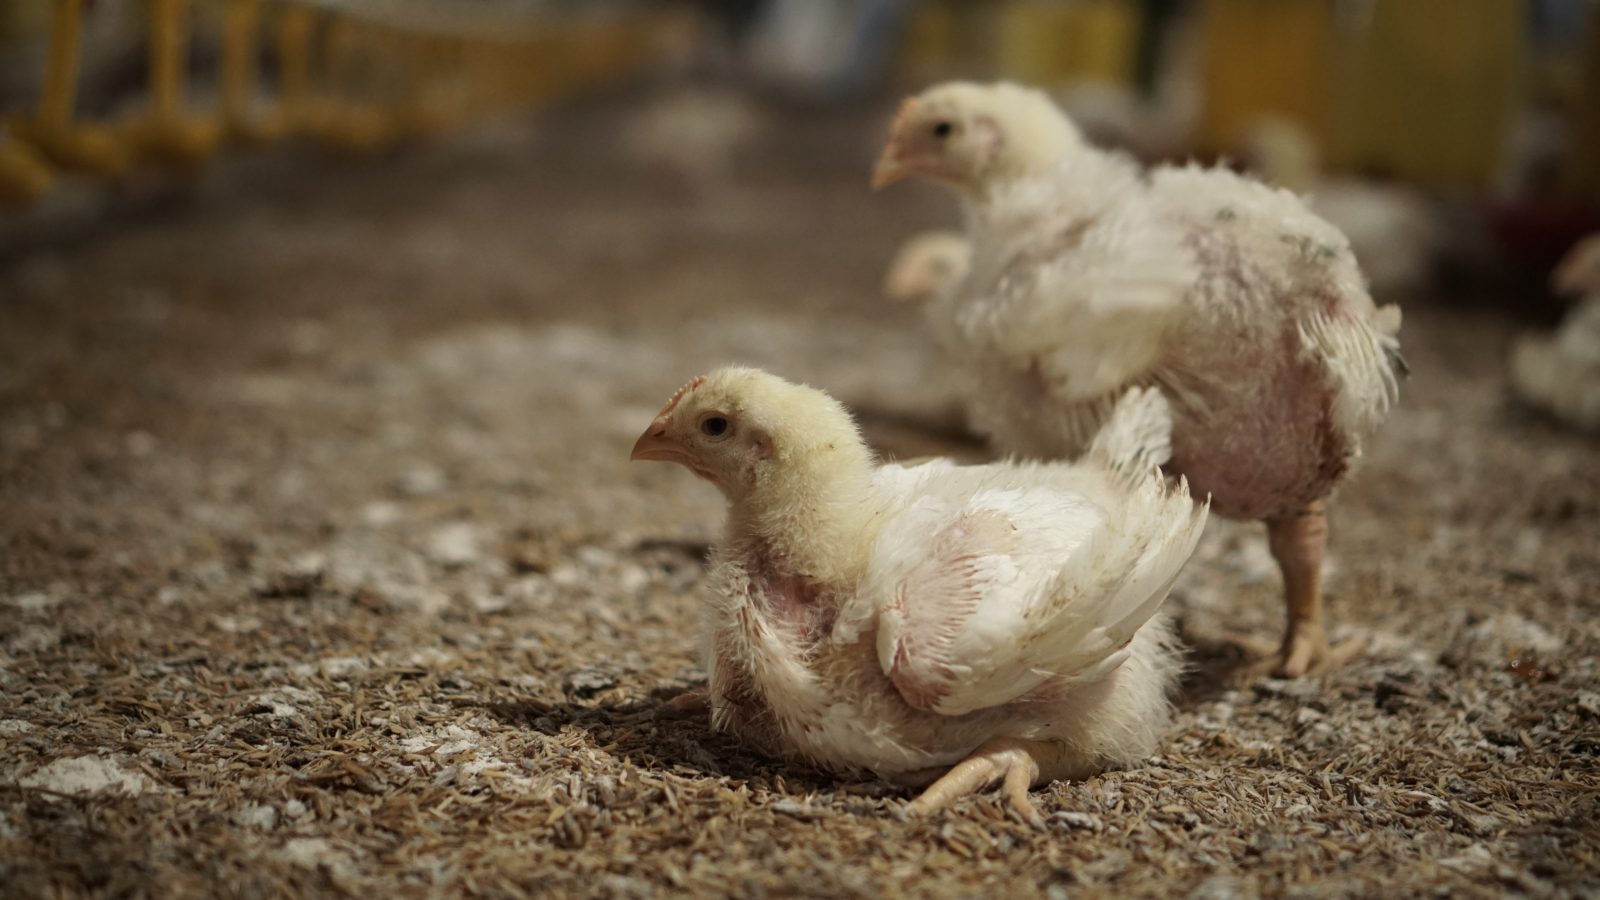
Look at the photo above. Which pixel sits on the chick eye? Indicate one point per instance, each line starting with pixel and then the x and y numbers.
pixel 714 426
pixel 943 129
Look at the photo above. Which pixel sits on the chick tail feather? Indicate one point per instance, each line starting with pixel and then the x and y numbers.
pixel 1388 324
pixel 1137 436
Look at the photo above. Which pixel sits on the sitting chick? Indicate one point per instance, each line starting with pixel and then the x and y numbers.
pixel 936 623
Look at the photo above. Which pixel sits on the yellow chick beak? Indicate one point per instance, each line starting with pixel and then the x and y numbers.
pixel 655 445
pixel 889 169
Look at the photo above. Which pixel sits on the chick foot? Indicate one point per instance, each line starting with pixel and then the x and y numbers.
pixel 1303 651
pixel 1306 651
pixel 688 703
pixel 1298 542
pixel 1018 764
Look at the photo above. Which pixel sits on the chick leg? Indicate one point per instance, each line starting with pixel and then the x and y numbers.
pixel 1019 764
pixel 1298 542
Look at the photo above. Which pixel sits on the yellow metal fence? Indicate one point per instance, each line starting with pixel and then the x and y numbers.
pixel 354 77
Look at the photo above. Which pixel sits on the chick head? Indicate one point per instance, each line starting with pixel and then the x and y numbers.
pixel 968 135
pixel 742 429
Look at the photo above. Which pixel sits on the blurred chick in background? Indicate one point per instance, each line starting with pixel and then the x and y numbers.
pixel 1560 373
pixel 926 264
pixel 1162 126
pixel 1090 274
pixel 1391 229
pixel 695 132
pixel 1113 115
pixel 995 619
pixel 815 49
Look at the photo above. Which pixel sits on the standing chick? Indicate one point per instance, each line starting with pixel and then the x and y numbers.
pixel 1090 274
pixel 986 623
pixel 1560 373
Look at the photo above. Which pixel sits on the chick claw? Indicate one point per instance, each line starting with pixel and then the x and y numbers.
pixel 1303 651
pixel 688 703
pixel 1310 653
pixel 1012 761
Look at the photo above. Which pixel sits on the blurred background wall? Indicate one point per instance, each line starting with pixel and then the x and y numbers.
pixel 1491 102
pixel 1441 92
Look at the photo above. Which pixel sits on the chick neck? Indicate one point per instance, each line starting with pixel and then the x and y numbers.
pixel 811 513
pixel 1038 202
pixel 1033 144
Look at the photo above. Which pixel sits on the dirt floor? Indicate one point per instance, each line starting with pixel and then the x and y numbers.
pixel 323 569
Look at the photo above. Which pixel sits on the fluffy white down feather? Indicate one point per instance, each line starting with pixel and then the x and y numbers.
pixel 1004 600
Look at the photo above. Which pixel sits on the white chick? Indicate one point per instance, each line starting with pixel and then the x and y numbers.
pixel 937 623
pixel 694 132
pixel 925 265
pixel 1090 274
pixel 1391 229
pixel 1560 373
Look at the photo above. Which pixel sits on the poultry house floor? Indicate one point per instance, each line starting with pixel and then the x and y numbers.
pixel 323 569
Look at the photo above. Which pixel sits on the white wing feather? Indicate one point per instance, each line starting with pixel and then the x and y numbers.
pixel 1071 281
pixel 1101 310
pixel 996 581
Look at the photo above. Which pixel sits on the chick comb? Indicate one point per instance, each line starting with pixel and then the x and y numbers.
pixel 682 392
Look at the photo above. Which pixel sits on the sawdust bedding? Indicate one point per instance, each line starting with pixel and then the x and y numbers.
pixel 322 569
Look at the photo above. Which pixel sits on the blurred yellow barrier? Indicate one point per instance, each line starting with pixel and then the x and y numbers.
pixel 354 76
pixel 932 43
pixel 345 115
pixel 1426 90
pixel 1264 57
pixel 24 175
pixel 1049 43
pixel 52 129
pixel 241 76
pixel 167 134
pixel 1432 88
pixel 1044 42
